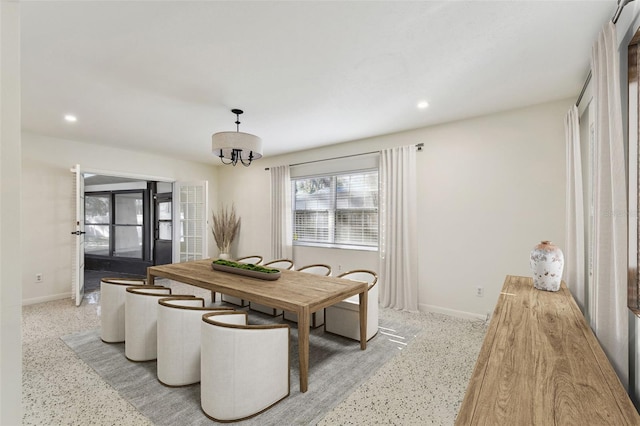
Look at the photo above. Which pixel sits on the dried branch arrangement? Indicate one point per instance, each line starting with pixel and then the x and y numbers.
pixel 225 228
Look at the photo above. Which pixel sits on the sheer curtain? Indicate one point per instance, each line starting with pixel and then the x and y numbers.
pixel 398 225
pixel 610 251
pixel 281 233
pixel 574 253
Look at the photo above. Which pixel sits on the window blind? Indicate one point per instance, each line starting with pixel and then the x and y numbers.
pixel 337 209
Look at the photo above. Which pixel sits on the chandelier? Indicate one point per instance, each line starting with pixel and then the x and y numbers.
pixel 236 146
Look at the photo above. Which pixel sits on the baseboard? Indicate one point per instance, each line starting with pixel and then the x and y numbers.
pixel 451 312
pixel 49 298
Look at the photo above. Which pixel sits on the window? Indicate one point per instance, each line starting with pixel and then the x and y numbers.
pixel 165 230
pixel 114 224
pixel 633 197
pixel 338 210
pixel 97 217
pixel 128 225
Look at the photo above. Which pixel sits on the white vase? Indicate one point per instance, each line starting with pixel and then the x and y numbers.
pixel 547 263
pixel 225 256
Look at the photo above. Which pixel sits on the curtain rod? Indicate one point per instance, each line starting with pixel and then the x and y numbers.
pixel 418 145
pixel 621 5
pixel 584 88
pixel 614 19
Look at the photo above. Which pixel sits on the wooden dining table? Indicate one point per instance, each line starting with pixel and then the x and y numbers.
pixel 294 291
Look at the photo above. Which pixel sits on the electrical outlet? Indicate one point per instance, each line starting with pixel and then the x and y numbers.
pixel 39 277
pixel 479 291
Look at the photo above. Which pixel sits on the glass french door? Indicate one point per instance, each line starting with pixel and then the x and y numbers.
pixel 190 218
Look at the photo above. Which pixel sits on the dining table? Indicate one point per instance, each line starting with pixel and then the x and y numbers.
pixel 298 292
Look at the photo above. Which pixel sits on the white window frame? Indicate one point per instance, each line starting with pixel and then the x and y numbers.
pixel 333 211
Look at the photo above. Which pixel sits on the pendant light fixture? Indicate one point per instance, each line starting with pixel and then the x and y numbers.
pixel 236 146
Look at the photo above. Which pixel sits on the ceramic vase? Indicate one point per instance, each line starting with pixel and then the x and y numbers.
pixel 547 263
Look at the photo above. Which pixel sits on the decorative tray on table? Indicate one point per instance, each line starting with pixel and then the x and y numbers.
pixel 246 269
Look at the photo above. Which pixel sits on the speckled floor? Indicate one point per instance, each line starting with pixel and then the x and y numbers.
pixel 424 384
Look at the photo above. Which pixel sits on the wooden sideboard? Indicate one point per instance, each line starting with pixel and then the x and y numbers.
pixel 540 364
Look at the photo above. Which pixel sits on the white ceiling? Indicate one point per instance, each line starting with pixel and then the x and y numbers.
pixel 163 76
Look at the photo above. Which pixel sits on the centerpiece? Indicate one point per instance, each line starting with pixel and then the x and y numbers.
pixel 247 269
pixel 225 228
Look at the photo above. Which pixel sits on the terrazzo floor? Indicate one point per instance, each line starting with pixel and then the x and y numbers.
pixel 423 385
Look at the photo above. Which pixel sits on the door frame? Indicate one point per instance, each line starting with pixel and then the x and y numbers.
pixel 77 280
pixel 77 266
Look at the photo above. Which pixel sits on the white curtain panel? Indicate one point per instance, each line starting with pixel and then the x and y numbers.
pixel 281 232
pixel 574 254
pixel 610 251
pixel 398 229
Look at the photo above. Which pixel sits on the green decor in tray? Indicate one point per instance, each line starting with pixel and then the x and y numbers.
pixel 247 269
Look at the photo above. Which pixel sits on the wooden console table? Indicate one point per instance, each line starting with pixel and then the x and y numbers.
pixel 540 364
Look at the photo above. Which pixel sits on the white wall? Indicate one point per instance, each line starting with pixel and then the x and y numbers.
pixel 10 216
pixel 490 188
pixel 49 206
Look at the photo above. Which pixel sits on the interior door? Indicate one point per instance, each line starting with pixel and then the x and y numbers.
pixel 77 263
pixel 163 234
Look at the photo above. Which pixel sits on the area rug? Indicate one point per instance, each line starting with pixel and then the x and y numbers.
pixel 337 367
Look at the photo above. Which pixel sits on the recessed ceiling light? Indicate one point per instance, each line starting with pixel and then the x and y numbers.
pixel 70 118
pixel 423 104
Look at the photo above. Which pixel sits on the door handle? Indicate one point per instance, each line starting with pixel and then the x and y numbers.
pixel 78 233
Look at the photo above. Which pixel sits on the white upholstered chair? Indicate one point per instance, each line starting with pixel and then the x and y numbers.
pixel 179 319
pixel 279 264
pixel 245 368
pixel 343 318
pixel 256 260
pixel 112 296
pixel 316 318
pixel 141 313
